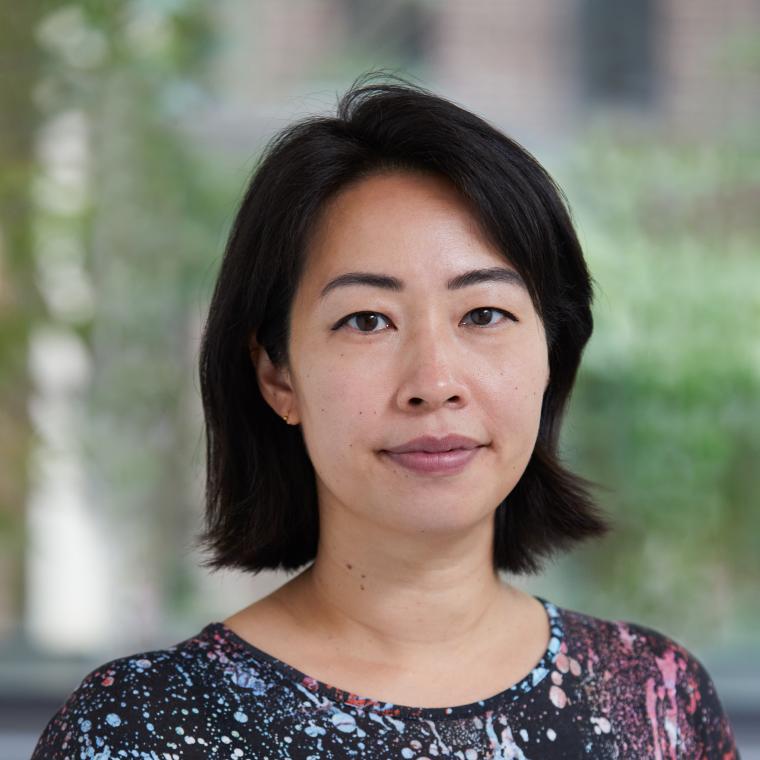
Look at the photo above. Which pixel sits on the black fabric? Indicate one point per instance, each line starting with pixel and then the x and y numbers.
pixel 603 689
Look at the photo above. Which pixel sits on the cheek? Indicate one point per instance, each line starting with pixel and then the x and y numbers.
pixel 514 388
pixel 342 387
pixel 336 400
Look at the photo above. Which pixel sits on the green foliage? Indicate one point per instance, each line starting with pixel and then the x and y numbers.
pixel 667 404
pixel 21 308
pixel 130 72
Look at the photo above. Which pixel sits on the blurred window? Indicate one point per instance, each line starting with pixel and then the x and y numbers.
pixel 618 52
pixel 404 24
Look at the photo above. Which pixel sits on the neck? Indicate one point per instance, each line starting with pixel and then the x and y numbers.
pixel 401 598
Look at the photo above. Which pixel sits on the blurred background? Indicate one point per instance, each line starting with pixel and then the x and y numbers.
pixel 128 132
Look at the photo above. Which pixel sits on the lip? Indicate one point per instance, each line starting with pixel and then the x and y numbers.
pixel 439 462
pixel 430 444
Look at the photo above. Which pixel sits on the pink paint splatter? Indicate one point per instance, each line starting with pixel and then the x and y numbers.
pixel 626 636
pixel 557 696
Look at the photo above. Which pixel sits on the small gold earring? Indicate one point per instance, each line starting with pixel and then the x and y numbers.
pixel 285 417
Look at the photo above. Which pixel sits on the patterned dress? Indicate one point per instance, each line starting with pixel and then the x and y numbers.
pixel 602 689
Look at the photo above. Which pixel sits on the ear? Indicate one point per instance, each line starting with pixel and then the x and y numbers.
pixel 274 383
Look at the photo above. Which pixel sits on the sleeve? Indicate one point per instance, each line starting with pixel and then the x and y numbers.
pixel 680 704
pixel 712 731
pixel 82 726
pixel 118 710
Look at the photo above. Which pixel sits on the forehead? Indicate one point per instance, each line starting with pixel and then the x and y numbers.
pixel 411 222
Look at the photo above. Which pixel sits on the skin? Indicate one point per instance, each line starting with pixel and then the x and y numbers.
pixel 402 601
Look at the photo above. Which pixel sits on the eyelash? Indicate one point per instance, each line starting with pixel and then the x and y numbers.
pixel 345 319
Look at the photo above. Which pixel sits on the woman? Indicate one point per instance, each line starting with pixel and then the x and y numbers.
pixel 393 337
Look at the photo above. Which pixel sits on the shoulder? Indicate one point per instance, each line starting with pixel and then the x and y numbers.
pixel 623 647
pixel 652 675
pixel 623 640
pixel 128 702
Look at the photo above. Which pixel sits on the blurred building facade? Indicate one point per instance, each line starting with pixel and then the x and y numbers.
pixel 538 70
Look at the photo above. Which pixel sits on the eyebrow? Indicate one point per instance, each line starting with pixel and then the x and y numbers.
pixel 473 277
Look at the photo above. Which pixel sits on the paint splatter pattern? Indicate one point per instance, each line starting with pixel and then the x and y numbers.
pixel 603 689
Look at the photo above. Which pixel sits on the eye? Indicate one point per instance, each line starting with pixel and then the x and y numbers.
pixel 369 319
pixel 486 312
pixel 366 319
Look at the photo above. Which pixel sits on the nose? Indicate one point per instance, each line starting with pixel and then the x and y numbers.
pixel 433 372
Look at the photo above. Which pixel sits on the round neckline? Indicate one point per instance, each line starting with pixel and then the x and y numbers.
pixel 346 700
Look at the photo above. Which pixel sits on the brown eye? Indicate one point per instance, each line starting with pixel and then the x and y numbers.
pixel 484 314
pixel 366 321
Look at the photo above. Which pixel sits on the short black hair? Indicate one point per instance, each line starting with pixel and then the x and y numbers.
pixel 261 508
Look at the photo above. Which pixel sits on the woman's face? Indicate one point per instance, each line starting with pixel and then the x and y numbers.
pixel 426 360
